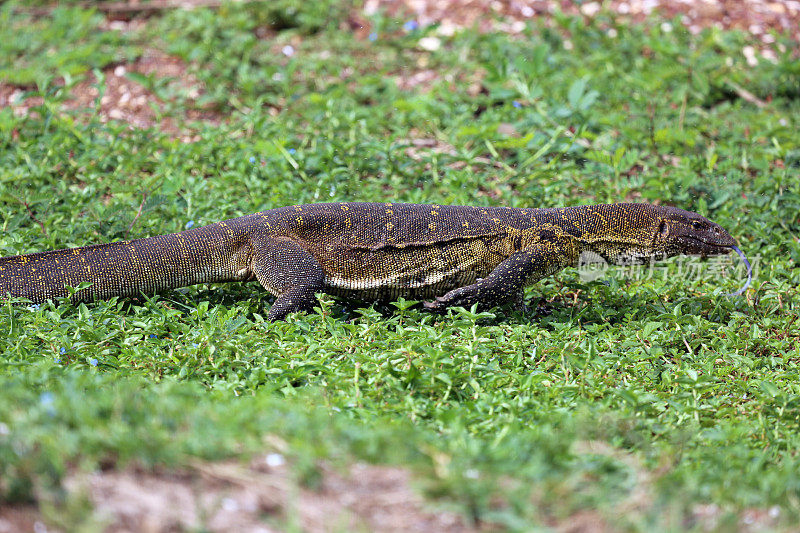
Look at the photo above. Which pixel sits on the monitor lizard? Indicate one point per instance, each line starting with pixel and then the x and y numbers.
pixel 443 255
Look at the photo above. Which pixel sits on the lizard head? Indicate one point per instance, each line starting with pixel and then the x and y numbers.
pixel 625 232
pixel 684 232
pixel 634 233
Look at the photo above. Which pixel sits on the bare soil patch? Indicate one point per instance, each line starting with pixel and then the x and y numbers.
pixel 18 518
pixel 265 496
pixel 126 100
pixel 757 17
pixel 260 497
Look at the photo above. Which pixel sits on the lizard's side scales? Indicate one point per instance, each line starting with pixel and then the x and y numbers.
pixel 446 255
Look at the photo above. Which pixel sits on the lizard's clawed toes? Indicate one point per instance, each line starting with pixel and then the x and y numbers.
pixel 436 306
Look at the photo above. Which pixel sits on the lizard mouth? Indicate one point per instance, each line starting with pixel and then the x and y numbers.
pixel 696 246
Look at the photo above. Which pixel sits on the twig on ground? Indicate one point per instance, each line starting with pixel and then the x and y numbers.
pixel 138 214
pixel 746 95
pixel 30 213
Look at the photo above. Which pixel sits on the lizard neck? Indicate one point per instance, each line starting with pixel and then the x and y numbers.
pixel 619 233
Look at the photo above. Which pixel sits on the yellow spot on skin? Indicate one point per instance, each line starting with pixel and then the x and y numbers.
pixel 299 220
pixel 389 226
pixel 432 226
pixel 298 208
pixel 389 212
pixel 345 208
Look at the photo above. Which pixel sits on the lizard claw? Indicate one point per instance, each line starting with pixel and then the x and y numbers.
pixel 436 306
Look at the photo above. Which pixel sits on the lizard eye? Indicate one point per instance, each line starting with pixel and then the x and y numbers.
pixel 663 229
pixel 696 224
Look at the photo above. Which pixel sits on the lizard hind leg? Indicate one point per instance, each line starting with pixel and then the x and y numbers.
pixel 289 272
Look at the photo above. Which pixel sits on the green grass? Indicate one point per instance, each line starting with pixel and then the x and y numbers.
pixel 67 42
pixel 665 384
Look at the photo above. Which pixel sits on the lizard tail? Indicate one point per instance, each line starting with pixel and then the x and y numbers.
pixel 125 268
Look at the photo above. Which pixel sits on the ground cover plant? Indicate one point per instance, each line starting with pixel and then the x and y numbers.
pixel 623 399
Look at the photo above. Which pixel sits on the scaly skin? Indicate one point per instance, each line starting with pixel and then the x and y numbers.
pixel 449 255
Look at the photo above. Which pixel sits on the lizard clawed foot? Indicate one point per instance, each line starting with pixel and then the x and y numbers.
pixel 436 306
pixel 461 297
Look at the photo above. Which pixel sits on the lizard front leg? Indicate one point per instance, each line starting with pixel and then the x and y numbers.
pixel 289 272
pixel 506 282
